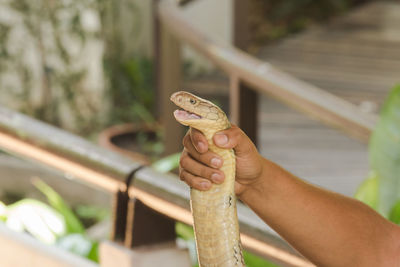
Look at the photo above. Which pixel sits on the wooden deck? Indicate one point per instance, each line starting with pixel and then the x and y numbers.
pixel 356 57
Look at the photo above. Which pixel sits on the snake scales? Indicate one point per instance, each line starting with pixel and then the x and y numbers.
pixel 214 211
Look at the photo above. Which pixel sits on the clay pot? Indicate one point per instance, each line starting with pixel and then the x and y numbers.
pixel 122 139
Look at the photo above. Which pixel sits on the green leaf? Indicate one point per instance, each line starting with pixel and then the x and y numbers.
pixel 94 252
pixel 368 190
pixel 167 164
pixel 184 231
pixel 73 224
pixel 76 243
pixel 37 218
pixel 143 113
pixel 255 261
pixel 384 152
pixel 3 212
pixel 394 215
pixel 92 212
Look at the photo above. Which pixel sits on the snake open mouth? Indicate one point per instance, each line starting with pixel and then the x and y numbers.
pixel 186 115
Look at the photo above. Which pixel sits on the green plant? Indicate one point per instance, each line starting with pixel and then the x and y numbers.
pixel 55 224
pixel 72 223
pixel 129 76
pixel 72 65
pixel 367 192
pixel 167 163
pixel 382 189
pixel 42 44
pixel 131 88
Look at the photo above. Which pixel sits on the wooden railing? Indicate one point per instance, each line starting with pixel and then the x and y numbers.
pixel 111 172
pixel 248 75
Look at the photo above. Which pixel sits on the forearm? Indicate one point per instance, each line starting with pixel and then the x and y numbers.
pixel 327 228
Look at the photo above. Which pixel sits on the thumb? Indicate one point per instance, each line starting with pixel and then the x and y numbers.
pixel 234 138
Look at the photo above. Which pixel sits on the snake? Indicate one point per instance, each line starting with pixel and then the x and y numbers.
pixel 214 211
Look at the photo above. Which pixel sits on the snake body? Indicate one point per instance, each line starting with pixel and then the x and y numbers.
pixel 214 211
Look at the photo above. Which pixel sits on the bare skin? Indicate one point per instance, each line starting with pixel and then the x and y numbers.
pixel 327 228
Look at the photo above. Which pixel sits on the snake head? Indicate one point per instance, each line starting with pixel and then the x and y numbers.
pixel 197 112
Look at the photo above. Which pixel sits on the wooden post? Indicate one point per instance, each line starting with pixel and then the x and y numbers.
pixel 167 58
pixel 120 207
pixel 146 226
pixel 243 100
pixel 244 108
pixel 241 36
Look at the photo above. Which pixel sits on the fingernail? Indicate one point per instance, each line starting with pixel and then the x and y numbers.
pixel 201 146
pixel 217 178
pixel 205 185
pixel 216 162
pixel 221 139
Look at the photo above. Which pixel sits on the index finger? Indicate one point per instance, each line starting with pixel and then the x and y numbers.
pixel 199 141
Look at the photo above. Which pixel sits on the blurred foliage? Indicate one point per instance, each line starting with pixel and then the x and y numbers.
pixel 394 214
pixel 274 19
pixel 384 148
pixel 89 214
pixel 36 218
pixel 130 86
pixel 51 51
pixel 131 89
pixel 167 163
pixel 129 76
pixel 41 43
pixel 54 224
pixel 382 190
pixel 72 222
pixel 368 191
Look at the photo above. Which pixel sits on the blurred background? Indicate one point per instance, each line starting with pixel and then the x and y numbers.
pixel 86 65
pixel 92 68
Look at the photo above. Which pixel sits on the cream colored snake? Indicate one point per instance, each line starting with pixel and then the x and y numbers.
pixel 214 211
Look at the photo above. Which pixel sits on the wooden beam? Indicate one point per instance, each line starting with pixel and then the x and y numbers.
pixel 168 79
pixel 244 108
pixel 243 99
pixel 241 33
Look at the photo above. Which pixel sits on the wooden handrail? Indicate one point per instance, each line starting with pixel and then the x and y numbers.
pixel 264 78
pixel 21 249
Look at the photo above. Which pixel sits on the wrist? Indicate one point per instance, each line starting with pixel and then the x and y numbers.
pixel 257 186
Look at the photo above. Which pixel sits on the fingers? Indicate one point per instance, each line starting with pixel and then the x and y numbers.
pixel 195 181
pixel 234 138
pixel 198 165
pixel 208 158
pixel 198 140
pixel 188 164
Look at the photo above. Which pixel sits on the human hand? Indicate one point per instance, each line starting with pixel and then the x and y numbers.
pixel 199 167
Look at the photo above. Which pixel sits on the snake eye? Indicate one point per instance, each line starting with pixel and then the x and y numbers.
pixel 192 101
